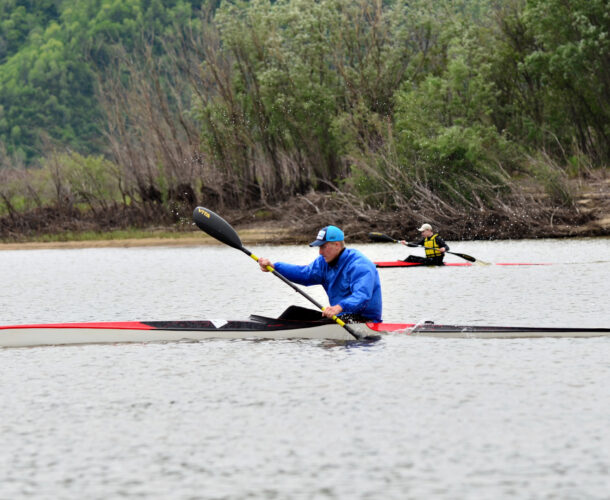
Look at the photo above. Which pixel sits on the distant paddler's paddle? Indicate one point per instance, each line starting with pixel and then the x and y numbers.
pixel 386 238
pixel 218 228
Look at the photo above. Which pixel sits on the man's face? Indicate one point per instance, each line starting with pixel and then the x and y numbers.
pixel 330 250
pixel 426 233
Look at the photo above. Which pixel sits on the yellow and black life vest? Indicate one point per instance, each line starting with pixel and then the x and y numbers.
pixel 432 246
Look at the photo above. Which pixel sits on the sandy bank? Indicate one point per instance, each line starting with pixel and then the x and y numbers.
pixel 248 237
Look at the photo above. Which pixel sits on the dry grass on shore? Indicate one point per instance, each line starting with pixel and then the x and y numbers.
pixel 251 236
pixel 297 221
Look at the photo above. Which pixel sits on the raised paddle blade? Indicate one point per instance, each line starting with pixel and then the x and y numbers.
pixel 382 237
pixel 216 227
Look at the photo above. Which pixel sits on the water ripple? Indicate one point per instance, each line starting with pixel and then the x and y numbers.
pixel 403 418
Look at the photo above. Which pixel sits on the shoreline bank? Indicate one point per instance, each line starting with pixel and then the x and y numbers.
pixel 297 221
pixel 251 236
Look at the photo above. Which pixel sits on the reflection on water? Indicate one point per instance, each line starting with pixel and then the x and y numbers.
pixel 403 418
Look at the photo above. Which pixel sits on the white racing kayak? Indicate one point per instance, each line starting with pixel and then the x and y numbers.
pixel 166 331
pixel 256 327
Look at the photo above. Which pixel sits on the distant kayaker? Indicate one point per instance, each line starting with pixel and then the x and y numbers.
pixel 435 247
pixel 350 279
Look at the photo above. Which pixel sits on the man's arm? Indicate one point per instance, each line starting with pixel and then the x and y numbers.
pixel 413 243
pixel 303 275
pixel 441 243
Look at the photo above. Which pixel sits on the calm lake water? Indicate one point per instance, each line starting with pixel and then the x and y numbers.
pixel 403 418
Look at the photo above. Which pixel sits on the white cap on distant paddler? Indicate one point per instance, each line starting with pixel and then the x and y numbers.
pixel 425 227
pixel 328 233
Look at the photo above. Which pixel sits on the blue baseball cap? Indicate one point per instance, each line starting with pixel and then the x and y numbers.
pixel 328 233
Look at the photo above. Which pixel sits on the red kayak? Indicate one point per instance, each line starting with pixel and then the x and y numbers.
pixel 401 263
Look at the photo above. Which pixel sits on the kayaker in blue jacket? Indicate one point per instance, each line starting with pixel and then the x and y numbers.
pixel 350 279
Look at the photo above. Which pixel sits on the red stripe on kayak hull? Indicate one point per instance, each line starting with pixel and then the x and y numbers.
pixel 400 263
pixel 116 325
pixel 522 264
pixel 389 327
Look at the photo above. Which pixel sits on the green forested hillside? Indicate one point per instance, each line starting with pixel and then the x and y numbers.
pixel 446 108
pixel 51 53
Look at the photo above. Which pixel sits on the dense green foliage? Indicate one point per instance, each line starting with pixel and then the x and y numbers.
pixel 52 51
pixel 248 101
pixel 448 96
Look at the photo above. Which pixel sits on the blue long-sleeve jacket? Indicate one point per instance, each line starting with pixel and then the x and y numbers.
pixel 351 282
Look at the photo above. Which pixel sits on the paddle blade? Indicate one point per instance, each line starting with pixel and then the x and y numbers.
pixel 482 263
pixel 381 237
pixel 216 227
pixel 464 256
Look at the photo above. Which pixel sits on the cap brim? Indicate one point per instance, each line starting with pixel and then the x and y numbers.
pixel 317 243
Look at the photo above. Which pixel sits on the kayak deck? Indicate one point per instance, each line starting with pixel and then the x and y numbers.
pixel 258 327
